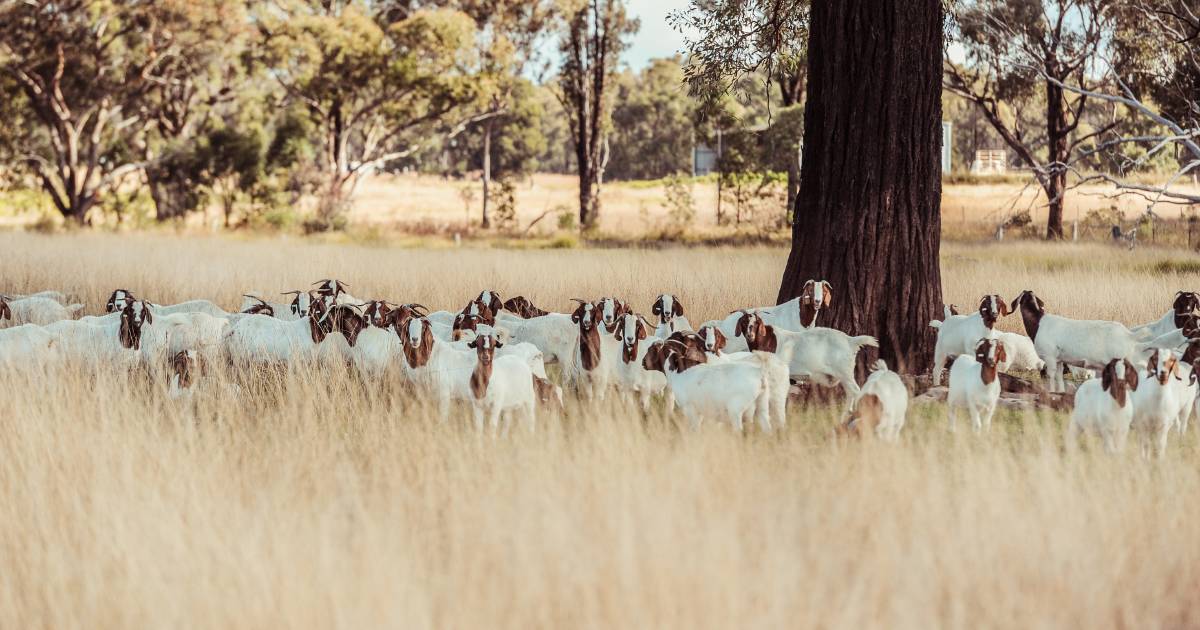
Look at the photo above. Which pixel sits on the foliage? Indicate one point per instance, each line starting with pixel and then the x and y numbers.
pixel 652 123
pixel 504 203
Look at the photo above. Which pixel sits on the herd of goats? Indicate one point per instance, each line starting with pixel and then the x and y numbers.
pixel 493 354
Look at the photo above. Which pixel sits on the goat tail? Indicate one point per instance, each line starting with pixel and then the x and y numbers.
pixel 933 323
pixel 879 366
pixel 864 340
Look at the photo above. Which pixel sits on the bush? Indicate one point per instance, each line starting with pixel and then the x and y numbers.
pixel 567 220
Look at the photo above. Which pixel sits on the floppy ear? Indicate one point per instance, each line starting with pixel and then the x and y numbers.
pixel 827 299
pixel 676 307
pixel 1041 306
pixel 739 329
pixel 807 289
pixel 1107 376
pixel 1004 309
pixel 720 342
pixel 147 316
pixel 641 328
pixel 1175 369
pixel 426 335
pixel 1131 375
pixel 656 308
pixel 1013 306
pixel 767 341
pixel 1001 353
pixel 575 316
pixel 1151 361
pixel 474 343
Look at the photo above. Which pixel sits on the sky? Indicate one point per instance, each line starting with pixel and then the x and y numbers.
pixel 656 38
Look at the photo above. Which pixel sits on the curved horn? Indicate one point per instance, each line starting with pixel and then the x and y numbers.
pixel 288 293
pixel 321 282
pixel 579 300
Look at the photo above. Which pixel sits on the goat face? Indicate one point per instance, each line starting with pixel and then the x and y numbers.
pixel 991 308
pixel 610 310
pixel 667 308
pixel 1186 302
pixel 688 338
pixel 301 304
pixel 1117 378
pixel 417 341
pixel 485 352
pixel 481 310
pixel 377 313
pixel 714 340
pixel 585 315
pixel 330 288
pixel 990 352
pixel 118 300
pixel 133 316
pixel 814 296
pixel 1162 365
pixel 491 299
pixel 630 330
pixel 1032 310
pixel 464 322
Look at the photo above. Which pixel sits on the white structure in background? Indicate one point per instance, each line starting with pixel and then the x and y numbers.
pixel 990 162
pixel 947 144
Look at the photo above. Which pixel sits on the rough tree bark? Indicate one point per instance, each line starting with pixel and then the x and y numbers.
pixel 868 213
pixel 1055 180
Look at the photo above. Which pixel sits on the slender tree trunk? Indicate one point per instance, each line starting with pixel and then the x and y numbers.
pixel 868 213
pixel 1055 181
pixel 487 171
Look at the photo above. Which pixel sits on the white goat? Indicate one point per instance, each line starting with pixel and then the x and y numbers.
pixel 822 356
pixel 26 346
pixel 631 377
pixel 1185 303
pixel 597 350
pixel 732 390
pixel 880 407
pixel 263 339
pixel 34 310
pixel 1103 406
pixel 959 334
pixel 1021 353
pixel 1090 344
pixel 776 371
pixel 975 385
pixel 1158 401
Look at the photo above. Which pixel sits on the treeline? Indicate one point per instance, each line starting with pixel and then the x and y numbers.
pixel 256 105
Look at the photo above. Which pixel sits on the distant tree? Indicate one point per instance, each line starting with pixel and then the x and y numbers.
pixel 652 123
pixel 515 143
pixel 739 39
pixel 1016 47
pixel 88 71
pixel 594 37
pixel 868 215
pixel 369 84
pixel 510 34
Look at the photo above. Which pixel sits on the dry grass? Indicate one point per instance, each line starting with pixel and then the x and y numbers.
pixel 323 501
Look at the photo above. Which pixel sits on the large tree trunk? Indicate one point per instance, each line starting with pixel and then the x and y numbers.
pixel 1055 181
pixel 868 213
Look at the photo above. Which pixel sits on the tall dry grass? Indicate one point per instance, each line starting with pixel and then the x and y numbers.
pixel 318 500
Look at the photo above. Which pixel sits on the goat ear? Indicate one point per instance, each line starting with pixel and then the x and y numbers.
pixel 1131 375
pixel 739 329
pixel 656 308
pixel 1151 361
pixel 1107 376
pixel 1001 352
pixel 147 316
pixel 1041 306
pixel 676 307
pixel 474 343
pixel 827 298
pixel 641 330
pixel 768 342
pixel 1004 309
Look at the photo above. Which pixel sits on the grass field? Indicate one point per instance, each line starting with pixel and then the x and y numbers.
pixel 324 501
pixel 424 204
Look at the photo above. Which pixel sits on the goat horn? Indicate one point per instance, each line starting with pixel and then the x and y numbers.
pixel 579 300
pixel 289 293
